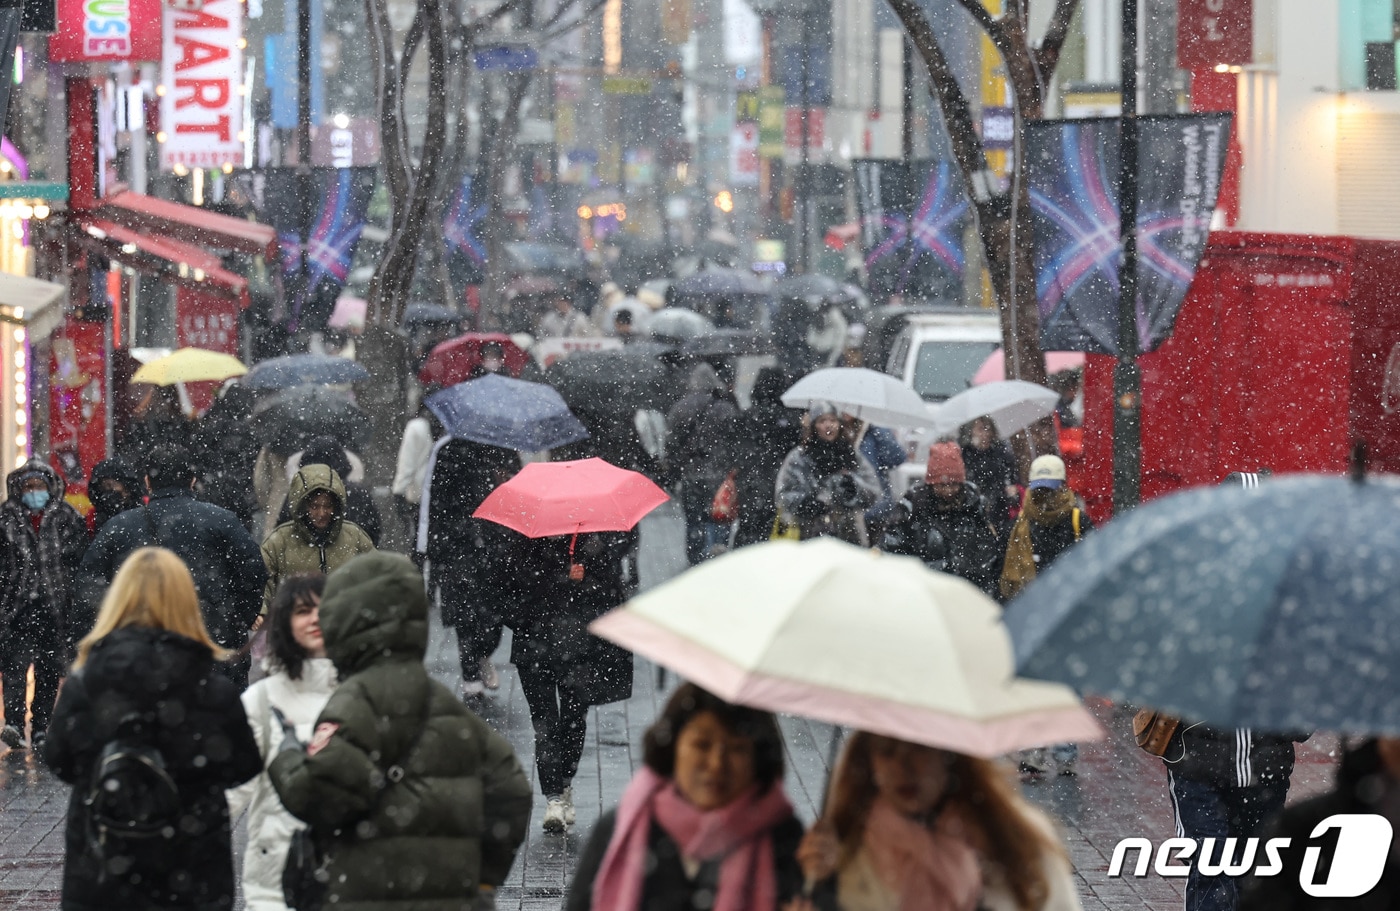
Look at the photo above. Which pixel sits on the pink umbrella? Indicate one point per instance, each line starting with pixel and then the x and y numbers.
pixel 994 367
pixel 565 498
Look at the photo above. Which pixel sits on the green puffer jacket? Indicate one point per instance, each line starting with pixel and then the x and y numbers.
pixel 293 548
pixel 458 815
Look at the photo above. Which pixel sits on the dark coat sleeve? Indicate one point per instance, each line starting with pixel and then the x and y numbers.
pixel 94 574
pixel 589 860
pixel 69 747
pixel 506 799
pixel 244 761
pixel 247 573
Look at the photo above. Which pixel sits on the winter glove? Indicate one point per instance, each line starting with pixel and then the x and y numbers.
pixel 289 733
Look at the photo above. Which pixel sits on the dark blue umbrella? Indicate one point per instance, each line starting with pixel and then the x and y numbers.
pixel 304 370
pixel 513 414
pixel 1275 607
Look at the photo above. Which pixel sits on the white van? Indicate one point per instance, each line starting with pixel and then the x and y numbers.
pixel 938 353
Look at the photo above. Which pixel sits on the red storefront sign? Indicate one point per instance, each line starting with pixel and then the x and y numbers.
pixel 816 128
pixel 77 397
pixel 91 30
pixel 1212 33
pixel 201 112
pixel 208 321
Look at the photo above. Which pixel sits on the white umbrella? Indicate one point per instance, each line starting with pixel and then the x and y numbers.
pixel 1013 405
pixel 853 637
pixel 866 394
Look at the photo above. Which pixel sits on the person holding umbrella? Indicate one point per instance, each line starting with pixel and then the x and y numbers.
pixel 825 484
pixel 908 825
pixel 705 814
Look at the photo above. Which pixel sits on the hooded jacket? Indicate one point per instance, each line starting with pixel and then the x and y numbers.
pixel 223 558
pixel 955 538
pixel 36 568
pixel 103 508
pixel 456 817
pixel 296 547
pixel 193 716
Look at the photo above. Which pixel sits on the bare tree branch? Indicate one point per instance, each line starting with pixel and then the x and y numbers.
pixel 982 16
pixel 1047 58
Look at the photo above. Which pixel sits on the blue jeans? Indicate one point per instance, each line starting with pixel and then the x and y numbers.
pixel 1207 810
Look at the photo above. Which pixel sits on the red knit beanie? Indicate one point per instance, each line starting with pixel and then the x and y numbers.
pixel 945 464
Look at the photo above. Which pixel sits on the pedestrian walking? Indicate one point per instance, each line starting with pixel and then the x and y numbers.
pixel 563 321
pixel 224 450
pixel 318 538
pixel 411 468
pixel 1052 520
pixel 767 431
pixel 301 682
pixel 113 487
pixel 703 824
pixel 884 453
pixel 991 468
pixel 1368 780
pixel 910 826
pixel 224 559
pixel 412 800
pixel 564 670
pixel 359 500
pixel 144 692
pixel 825 485
pixel 700 434
pixel 943 521
pixel 43 540
pixel 465 555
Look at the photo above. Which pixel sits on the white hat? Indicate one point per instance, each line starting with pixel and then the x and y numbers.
pixel 1047 471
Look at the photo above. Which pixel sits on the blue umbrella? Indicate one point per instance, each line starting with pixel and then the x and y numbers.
pixel 1275 607
pixel 513 414
pixel 304 370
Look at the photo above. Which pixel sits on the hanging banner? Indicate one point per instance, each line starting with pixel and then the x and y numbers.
pixel 743 155
pixel 927 264
pixel 95 30
pixel 201 112
pixel 77 391
pixel 461 232
pixel 1072 169
pixel 1213 33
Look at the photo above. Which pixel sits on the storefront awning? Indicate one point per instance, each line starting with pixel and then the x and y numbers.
pixel 188 223
pixel 32 303
pixel 163 257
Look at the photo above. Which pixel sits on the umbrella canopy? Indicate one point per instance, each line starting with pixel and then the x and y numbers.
pixel 429 314
pixel 620 381
pixel 505 412
pixel 304 370
pixel 454 360
pixel 812 287
pixel 1013 405
pixel 717 282
pixel 678 324
pixel 565 498
pixel 189 365
pixel 853 637
pixel 728 343
pixel 640 312
pixel 863 393
pixel 1273 607
pixel 994 367
pixel 289 419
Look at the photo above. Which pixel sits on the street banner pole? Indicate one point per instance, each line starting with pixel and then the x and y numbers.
pixel 1127 378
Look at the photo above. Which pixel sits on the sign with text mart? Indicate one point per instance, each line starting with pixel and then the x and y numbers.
pixel 201 112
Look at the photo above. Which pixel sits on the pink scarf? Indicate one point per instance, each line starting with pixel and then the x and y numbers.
pixel 738 835
pixel 930 870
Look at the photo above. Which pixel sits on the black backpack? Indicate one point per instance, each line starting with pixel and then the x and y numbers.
pixel 132 800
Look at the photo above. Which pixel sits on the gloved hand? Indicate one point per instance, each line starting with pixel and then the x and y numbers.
pixel 846 491
pixel 289 733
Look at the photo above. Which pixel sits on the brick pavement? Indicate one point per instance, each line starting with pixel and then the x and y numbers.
pixel 1119 791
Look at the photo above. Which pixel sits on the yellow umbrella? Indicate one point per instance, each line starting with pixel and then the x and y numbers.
pixel 189 365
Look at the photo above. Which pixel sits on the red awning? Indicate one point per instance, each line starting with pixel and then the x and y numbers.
pixel 163 257
pixel 189 223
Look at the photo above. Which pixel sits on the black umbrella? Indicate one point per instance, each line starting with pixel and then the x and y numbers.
pixel 287 421
pixel 728 343
pixel 814 288
pixel 303 370
pixel 715 282
pixel 429 314
pixel 619 381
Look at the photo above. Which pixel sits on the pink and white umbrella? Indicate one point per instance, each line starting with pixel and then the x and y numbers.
pixel 853 637
pixel 994 367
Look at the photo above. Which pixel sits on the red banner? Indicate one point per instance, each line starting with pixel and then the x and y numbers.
pixel 77 413
pixel 1213 33
pixel 91 30
pixel 210 322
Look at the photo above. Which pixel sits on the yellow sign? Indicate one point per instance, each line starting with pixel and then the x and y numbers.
pixel 626 85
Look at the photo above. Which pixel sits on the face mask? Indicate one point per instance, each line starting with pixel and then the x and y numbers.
pixel 109 502
pixel 491 365
pixel 35 499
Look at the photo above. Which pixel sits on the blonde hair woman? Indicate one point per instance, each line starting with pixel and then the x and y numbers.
pixel 145 677
pixel 913 828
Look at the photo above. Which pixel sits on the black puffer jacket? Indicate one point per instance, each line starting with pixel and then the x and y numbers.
pixel 36 570
pixel 957 539
pixel 195 718
pixel 225 561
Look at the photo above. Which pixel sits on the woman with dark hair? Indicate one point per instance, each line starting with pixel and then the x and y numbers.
pixel 300 682
pixel 766 433
pixel 910 826
pixel 704 824
pixel 991 468
pixel 1368 784
pixel 825 485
